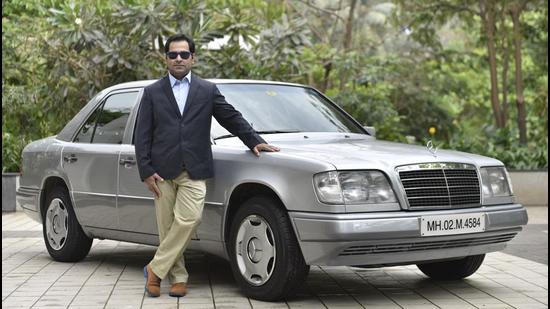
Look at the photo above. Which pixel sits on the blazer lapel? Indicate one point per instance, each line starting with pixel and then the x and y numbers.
pixel 170 94
pixel 193 89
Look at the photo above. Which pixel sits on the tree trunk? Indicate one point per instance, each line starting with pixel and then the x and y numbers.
pixel 326 80
pixel 505 66
pixel 348 40
pixel 161 44
pixel 349 26
pixel 515 12
pixel 488 18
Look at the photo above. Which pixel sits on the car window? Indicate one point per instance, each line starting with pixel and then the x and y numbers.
pixel 106 124
pixel 86 132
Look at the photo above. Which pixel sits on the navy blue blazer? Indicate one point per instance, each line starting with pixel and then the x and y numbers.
pixel 167 142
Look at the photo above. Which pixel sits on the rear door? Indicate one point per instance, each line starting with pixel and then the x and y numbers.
pixel 136 207
pixel 91 160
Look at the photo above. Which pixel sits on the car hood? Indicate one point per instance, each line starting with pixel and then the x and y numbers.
pixel 358 151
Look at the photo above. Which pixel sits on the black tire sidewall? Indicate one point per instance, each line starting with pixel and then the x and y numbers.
pixel 278 221
pixel 452 270
pixel 77 244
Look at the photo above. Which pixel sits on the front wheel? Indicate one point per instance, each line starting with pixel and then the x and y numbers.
pixel 266 260
pixel 452 270
pixel 63 235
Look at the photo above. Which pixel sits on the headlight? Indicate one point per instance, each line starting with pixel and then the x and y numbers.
pixel 328 188
pixel 353 187
pixel 495 182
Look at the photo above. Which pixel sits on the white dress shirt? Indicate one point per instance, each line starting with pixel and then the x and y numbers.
pixel 180 89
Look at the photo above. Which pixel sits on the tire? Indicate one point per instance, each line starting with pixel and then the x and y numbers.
pixel 63 235
pixel 269 265
pixel 452 270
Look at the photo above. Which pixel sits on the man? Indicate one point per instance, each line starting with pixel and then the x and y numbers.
pixel 174 156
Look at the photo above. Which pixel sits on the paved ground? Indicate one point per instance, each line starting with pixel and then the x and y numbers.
pixel 532 242
pixel 111 277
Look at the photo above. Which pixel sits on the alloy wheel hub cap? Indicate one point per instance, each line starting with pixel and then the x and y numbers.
pixel 255 250
pixel 56 224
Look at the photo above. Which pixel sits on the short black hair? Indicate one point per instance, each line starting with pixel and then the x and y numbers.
pixel 179 37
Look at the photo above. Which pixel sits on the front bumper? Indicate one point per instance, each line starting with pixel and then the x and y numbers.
pixel 393 238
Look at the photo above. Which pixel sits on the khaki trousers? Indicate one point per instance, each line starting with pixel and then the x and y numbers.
pixel 179 212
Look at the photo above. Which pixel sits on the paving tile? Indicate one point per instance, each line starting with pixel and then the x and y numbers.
pixel 455 305
pixel 164 298
pixel 530 306
pixel 233 306
pixel 123 306
pixel 187 300
pixel 19 301
pixel 257 304
pixel 369 301
pixel 159 306
pixel 198 306
pixel 339 301
pixel 305 302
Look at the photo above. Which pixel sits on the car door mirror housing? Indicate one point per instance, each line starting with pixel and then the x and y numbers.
pixel 370 130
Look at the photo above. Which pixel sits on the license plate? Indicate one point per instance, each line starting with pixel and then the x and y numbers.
pixel 452 224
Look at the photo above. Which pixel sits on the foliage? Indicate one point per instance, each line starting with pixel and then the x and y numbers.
pixel 502 144
pixel 23 120
pixel 369 106
pixel 403 74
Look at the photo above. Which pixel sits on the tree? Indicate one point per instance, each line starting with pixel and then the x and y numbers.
pixel 490 13
pixel 348 37
pixel 515 9
pixel 423 17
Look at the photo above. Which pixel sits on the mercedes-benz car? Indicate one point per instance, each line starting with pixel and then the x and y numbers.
pixel 333 195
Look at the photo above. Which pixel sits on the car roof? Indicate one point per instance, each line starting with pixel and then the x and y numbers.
pixel 144 83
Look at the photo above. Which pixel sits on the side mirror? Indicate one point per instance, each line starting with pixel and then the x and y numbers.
pixel 370 130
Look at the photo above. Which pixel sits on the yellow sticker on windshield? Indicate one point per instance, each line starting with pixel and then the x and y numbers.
pixel 271 93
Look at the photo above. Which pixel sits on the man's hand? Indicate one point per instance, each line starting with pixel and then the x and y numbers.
pixel 264 147
pixel 151 184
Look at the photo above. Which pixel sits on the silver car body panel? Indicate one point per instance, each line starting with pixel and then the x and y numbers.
pixel 111 202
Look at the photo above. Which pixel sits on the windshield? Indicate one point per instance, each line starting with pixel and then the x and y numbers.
pixel 280 109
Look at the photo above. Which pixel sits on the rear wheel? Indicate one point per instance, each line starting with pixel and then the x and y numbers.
pixel 452 270
pixel 63 235
pixel 265 257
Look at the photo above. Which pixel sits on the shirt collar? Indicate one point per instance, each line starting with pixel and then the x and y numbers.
pixel 173 79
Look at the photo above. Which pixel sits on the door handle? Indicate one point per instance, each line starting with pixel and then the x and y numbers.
pixel 70 159
pixel 127 161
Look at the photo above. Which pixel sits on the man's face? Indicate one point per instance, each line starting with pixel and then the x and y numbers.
pixel 179 67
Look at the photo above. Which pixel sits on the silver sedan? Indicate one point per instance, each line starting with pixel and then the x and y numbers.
pixel 333 195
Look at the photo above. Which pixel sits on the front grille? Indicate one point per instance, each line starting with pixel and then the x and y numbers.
pixel 426 245
pixel 450 186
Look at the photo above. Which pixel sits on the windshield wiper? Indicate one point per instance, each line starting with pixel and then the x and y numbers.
pixel 224 136
pixel 277 131
pixel 259 132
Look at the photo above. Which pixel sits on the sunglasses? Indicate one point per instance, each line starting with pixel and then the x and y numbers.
pixel 182 54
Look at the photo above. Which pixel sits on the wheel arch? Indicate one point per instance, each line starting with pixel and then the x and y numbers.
pixel 242 193
pixel 48 184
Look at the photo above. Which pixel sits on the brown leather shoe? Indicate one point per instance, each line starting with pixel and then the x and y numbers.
pixel 178 289
pixel 152 282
